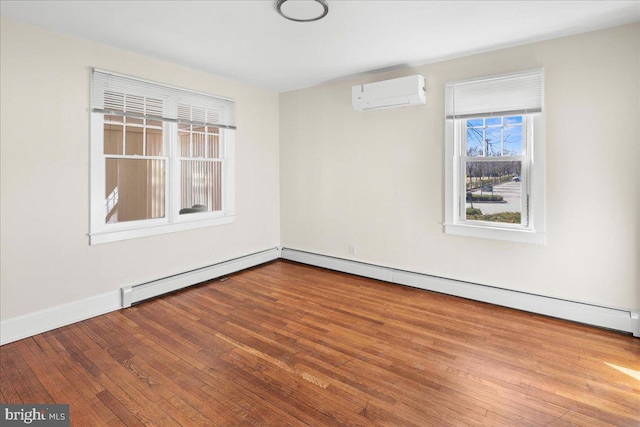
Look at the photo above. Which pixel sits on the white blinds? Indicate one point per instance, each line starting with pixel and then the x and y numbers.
pixel 505 94
pixel 128 96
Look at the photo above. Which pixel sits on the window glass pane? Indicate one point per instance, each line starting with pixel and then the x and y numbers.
pixel 199 146
pixel 201 186
pixel 135 189
pixel 155 145
pixel 112 139
pixel 156 123
pixel 494 191
pixel 213 146
pixel 134 143
pixel 512 120
pixel 489 137
pixel 474 142
pixel 117 119
pixel 513 140
pixel 184 143
pixel 134 121
pixel 493 141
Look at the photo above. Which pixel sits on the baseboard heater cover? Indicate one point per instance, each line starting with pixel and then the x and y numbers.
pixel 45 320
pixel 137 293
pixel 605 317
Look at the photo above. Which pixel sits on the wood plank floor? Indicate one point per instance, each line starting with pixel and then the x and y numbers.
pixel 288 344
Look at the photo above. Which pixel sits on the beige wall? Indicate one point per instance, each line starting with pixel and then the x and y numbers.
pixel 45 255
pixel 376 179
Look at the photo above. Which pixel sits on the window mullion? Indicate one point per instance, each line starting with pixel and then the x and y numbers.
pixel 134 157
pixel 501 136
pixel 526 196
pixel 518 158
pixel 144 137
pixel 527 142
pixel 173 167
pixel 190 140
pixel 462 215
pixel 124 137
pixel 484 138
pixel 144 131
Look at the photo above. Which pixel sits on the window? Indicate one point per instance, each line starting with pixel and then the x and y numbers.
pixel 161 158
pixel 494 157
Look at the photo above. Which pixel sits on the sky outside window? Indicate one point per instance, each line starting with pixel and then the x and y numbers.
pixel 494 136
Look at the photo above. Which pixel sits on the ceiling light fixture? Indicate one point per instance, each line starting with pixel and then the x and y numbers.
pixel 302 10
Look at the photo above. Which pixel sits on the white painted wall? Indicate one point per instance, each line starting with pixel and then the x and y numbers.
pixel 45 255
pixel 376 179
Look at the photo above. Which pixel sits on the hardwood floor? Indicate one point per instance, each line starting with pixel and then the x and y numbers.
pixel 288 344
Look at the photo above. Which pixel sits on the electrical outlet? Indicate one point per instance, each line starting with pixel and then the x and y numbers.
pixel 352 249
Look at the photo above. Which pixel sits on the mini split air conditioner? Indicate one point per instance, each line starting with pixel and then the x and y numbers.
pixel 395 93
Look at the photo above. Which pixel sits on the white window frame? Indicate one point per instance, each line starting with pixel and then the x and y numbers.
pixel 102 232
pixel 533 184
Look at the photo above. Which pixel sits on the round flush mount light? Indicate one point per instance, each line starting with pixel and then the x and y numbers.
pixel 303 10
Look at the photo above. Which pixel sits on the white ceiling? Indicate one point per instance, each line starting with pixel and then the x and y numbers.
pixel 248 41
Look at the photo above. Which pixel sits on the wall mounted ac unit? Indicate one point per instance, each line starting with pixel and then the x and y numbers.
pixel 394 93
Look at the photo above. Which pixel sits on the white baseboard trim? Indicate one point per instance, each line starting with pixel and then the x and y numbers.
pixel 605 317
pixel 48 319
pixel 635 323
pixel 137 293
pixel 20 327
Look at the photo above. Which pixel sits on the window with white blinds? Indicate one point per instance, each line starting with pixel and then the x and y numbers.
pixel 161 158
pixel 503 95
pixel 113 93
pixel 494 151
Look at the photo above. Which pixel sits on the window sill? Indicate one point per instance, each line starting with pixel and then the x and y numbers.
pixel 511 235
pixel 114 236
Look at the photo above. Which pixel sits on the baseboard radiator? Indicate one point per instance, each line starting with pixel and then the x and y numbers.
pixel 137 293
pixel 75 311
pixel 605 317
